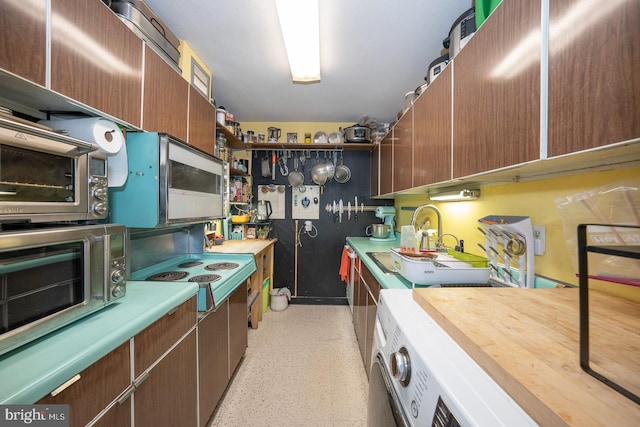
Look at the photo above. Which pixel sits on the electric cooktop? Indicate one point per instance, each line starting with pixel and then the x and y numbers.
pixel 217 274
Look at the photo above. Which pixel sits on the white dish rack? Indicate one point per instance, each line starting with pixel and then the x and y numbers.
pixel 509 249
pixel 430 268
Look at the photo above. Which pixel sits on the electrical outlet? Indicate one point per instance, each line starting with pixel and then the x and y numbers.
pixel 539 239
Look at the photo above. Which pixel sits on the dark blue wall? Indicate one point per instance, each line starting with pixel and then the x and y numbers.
pixel 319 258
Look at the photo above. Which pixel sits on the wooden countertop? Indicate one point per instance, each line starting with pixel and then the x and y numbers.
pixel 528 341
pixel 244 246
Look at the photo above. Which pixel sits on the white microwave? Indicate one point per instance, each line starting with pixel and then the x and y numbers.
pixel 169 183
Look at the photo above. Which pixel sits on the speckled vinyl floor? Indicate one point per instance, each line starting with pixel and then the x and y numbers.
pixel 302 368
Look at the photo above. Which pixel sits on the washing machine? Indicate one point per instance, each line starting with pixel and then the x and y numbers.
pixel 419 376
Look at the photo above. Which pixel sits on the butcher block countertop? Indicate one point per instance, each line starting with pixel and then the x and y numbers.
pixel 528 341
pixel 242 246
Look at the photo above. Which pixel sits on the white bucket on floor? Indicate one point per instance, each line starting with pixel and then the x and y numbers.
pixel 280 299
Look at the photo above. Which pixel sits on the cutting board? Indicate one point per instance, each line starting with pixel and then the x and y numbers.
pixel 528 341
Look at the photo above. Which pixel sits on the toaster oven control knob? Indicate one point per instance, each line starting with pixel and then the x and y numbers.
pixel 401 366
pixel 118 291
pixel 117 276
pixel 99 193
pixel 100 208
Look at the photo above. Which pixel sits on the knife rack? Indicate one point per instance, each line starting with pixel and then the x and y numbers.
pixel 616 250
pixel 501 232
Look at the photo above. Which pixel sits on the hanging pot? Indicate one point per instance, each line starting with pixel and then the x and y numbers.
pixel 343 173
pixel 319 172
pixel 330 167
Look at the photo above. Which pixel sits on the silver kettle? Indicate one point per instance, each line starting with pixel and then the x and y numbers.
pixel 264 210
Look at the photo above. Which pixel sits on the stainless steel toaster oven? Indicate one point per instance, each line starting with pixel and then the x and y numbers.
pixel 47 177
pixel 50 277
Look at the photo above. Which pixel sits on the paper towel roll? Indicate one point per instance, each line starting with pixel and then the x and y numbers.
pixel 106 134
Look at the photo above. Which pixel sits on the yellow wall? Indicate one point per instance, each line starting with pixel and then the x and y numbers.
pixel 299 127
pixel 533 199
pixel 186 53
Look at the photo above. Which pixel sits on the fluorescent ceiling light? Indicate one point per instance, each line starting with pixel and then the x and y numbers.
pixel 454 196
pixel 301 34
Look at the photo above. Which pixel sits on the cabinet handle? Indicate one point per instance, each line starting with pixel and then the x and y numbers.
pixel 172 311
pixel 65 385
pixel 142 378
pixel 126 395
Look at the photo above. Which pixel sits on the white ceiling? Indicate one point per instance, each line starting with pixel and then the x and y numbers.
pixel 372 53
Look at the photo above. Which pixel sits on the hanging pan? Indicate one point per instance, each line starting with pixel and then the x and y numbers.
pixel 342 173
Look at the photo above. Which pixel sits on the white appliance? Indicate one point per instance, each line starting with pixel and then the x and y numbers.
pixel 420 376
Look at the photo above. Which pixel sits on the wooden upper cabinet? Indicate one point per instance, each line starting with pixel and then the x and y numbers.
pixel 166 97
pixel 403 152
pixel 496 101
pixel 386 163
pixel 594 75
pixel 96 59
pixel 202 122
pixel 23 33
pixel 432 132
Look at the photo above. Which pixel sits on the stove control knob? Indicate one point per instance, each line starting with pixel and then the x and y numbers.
pixel 401 366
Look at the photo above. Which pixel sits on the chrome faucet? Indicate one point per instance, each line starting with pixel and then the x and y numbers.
pixel 440 244
pixel 424 239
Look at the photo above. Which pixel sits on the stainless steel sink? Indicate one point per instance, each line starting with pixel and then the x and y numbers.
pixel 383 261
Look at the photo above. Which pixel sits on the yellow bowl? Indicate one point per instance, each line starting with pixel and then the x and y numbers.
pixel 240 219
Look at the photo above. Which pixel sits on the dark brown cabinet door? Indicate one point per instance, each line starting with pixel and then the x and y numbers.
pixel 153 341
pixel 403 152
pixel 238 326
pixel 432 132
pixel 119 415
pixel 496 101
pixel 360 315
pixel 213 360
pixel 169 395
pixel 202 122
pixel 372 293
pixel 22 31
pixel 386 164
pixel 166 97
pixel 98 385
pixel 594 75
pixel 96 59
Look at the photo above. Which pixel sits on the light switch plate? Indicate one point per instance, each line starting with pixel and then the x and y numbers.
pixel 539 239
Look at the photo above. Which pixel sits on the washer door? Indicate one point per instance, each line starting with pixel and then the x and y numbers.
pixel 384 408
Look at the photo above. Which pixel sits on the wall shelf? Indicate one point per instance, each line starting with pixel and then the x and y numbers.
pixel 236 144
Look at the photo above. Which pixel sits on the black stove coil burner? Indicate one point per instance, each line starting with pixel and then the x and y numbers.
pixel 168 276
pixel 222 266
pixel 205 278
pixel 189 264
